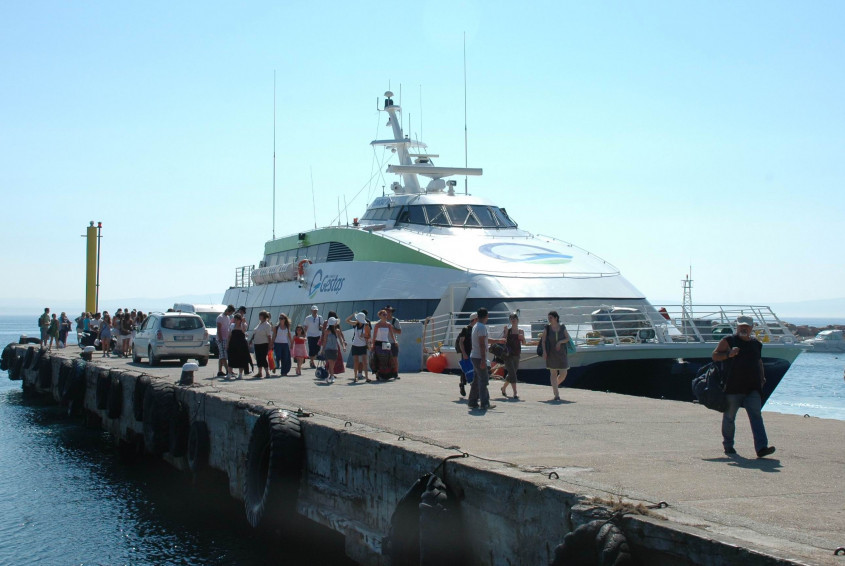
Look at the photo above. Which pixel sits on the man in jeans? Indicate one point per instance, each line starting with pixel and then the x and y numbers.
pixel 745 384
pixel 478 356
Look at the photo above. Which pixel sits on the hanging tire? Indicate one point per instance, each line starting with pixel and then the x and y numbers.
pixel 65 373
pixel 16 372
pixel 115 399
pixel 7 360
pixel 199 447
pixel 273 469
pixel 596 542
pixel 180 428
pixel 45 373
pixel 103 385
pixel 27 358
pixel 74 391
pixel 141 385
pixel 159 408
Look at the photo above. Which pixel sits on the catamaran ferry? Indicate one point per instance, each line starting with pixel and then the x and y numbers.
pixel 437 255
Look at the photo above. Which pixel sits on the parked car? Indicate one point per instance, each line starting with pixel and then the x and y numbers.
pixel 209 314
pixel 172 335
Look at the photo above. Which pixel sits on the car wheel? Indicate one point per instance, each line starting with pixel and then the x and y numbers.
pixel 136 357
pixel 202 361
pixel 154 361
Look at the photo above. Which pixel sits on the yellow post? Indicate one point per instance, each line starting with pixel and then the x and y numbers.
pixel 91 268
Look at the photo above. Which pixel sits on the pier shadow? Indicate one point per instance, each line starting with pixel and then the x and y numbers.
pixel 561 402
pixel 769 465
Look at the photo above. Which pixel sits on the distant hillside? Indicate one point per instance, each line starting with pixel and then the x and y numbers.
pixel 146 304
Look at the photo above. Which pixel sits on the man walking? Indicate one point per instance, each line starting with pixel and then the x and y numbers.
pixel 223 321
pixel 313 331
pixel 742 351
pixel 465 349
pixel 44 326
pixel 478 356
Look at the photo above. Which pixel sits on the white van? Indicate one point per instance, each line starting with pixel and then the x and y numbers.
pixel 209 314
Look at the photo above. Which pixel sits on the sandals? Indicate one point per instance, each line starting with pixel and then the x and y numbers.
pixel 504 393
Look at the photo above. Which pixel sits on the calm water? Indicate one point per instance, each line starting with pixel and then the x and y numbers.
pixel 66 498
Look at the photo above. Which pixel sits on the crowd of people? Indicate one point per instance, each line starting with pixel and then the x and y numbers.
pixel 113 334
pixel 317 340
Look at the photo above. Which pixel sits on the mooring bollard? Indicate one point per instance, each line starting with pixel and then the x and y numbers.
pixel 188 370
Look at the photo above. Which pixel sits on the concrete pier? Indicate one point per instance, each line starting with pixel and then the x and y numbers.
pixel 533 468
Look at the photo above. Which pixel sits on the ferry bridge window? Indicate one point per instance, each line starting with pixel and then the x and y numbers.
pixel 484 215
pixel 469 216
pixel 457 214
pixel 436 215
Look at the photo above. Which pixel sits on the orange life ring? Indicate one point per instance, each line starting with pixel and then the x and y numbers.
pixel 300 268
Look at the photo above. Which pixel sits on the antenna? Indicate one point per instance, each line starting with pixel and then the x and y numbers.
pixel 687 304
pixel 313 202
pixel 466 159
pixel 346 210
pixel 274 154
pixel 421 130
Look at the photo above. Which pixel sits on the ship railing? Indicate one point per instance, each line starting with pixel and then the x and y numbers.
pixel 601 325
pixel 243 276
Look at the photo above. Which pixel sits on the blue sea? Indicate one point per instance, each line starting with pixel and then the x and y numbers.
pixel 66 498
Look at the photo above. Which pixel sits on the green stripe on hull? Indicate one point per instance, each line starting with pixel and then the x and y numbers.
pixel 365 246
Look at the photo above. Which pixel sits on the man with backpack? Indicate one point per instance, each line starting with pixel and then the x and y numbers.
pixel 744 385
pixel 463 347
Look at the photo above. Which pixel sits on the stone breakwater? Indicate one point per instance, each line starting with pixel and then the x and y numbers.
pixel 514 484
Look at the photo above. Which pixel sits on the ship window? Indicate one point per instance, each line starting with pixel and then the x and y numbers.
pixel 457 214
pixel 416 215
pixel 320 252
pixel 339 252
pixel 503 218
pixel 485 216
pixel 436 215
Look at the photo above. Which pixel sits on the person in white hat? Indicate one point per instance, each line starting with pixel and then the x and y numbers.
pixel 332 343
pixel 361 331
pixel 742 353
pixel 313 330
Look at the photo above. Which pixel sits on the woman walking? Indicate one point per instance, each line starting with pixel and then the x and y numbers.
pixel 53 332
pixel 65 326
pixel 125 334
pixel 360 339
pixel 238 348
pixel 382 342
pixel 513 338
pixel 332 342
pixel 554 338
pixel 281 344
pixel 300 347
pixel 262 335
pixel 105 334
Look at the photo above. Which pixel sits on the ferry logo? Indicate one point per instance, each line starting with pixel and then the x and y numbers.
pixel 327 284
pixel 524 253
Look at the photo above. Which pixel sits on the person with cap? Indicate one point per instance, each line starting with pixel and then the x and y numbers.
pixel 742 353
pixel 313 330
pixel 332 343
pixel 464 342
pixel 397 330
pixel 360 338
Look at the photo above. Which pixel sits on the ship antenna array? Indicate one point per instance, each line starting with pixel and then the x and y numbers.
pixel 466 158
pixel 313 202
pixel 274 154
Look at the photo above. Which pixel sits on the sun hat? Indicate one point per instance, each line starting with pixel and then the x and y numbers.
pixel 744 320
pixel 332 321
pixel 361 317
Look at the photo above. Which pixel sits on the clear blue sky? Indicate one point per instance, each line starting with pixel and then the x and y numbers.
pixel 655 134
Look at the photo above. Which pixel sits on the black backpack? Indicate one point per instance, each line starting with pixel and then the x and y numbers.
pixel 465 331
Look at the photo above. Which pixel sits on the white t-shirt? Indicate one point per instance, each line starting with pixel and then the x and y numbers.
pixel 223 321
pixel 263 333
pixel 314 326
pixel 281 334
pixel 478 331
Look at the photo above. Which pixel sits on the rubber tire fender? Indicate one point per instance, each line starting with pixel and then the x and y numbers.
pixel 159 407
pixel 598 542
pixel 114 404
pixel 103 385
pixel 16 372
pixel 27 358
pixel 180 428
pixel 65 375
pixel 8 357
pixel 141 385
pixel 199 446
pixel 45 373
pixel 76 384
pixel 275 459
